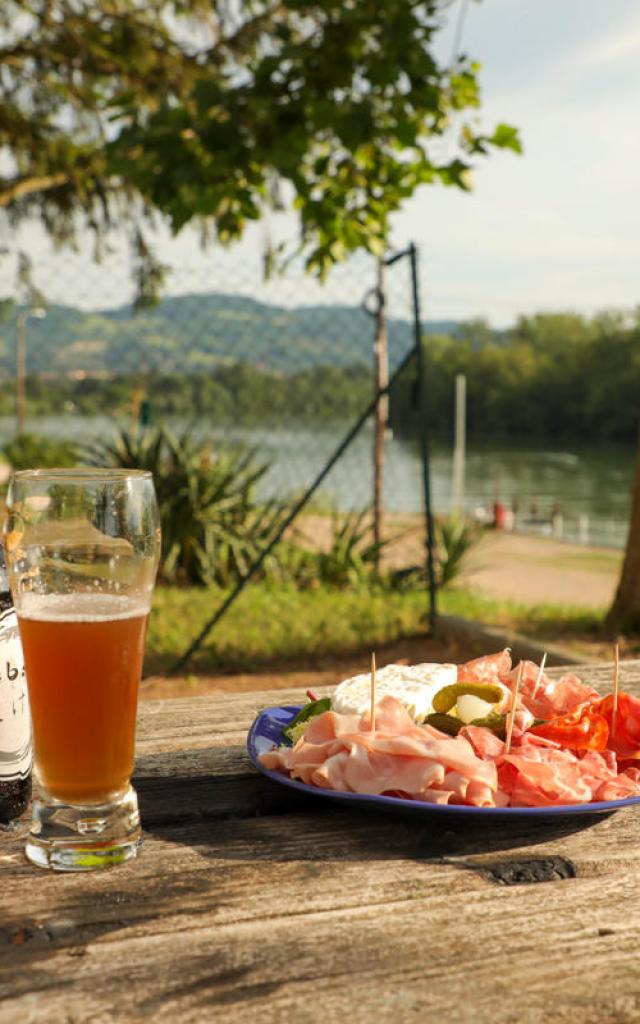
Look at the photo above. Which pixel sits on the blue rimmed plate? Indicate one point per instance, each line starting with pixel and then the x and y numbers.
pixel 267 731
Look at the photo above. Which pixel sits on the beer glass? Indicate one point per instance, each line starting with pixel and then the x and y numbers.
pixel 82 550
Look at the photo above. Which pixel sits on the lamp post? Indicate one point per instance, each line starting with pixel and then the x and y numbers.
pixel 37 312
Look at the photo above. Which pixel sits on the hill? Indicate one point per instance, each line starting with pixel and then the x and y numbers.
pixel 198 333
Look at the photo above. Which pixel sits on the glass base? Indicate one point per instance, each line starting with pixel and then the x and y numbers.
pixel 75 837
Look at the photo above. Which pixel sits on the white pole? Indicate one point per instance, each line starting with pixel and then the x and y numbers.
pixel 459 445
pixel 21 320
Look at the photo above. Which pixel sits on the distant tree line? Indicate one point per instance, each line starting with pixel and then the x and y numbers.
pixel 235 394
pixel 552 376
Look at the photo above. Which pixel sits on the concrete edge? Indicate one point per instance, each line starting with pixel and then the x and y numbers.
pixel 480 639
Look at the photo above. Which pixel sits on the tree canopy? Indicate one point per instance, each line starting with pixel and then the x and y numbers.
pixel 215 110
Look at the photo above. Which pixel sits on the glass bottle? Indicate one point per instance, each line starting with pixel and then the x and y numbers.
pixel 15 719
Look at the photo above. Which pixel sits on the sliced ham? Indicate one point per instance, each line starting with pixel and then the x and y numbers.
pixel 342 753
pixel 400 758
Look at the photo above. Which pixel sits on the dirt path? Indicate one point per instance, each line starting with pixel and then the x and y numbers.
pixel 535 570
pixel 518 567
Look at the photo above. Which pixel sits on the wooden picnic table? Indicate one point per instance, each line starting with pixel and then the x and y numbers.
pixel 251 902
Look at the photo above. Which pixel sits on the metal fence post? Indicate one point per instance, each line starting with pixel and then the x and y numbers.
pixel 423 429
pixel 292 514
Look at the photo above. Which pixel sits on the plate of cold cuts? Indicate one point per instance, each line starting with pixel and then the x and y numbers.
pixel 407 768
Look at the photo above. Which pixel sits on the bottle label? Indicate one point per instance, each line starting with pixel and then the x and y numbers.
pixel 15 719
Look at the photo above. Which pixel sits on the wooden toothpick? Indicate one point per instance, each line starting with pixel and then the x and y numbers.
pixel 539 676
pixel 512 712
pixel 373 692
pixel 616 686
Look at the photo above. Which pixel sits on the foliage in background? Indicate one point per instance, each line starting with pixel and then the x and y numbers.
pixel 31 451
pixel 213 528
pixel 209 108
pixel 455 539
pixel 552 376
pixel 212 525
pixel 275 625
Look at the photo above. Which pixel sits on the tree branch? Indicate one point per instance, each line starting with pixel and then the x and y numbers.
pixel 21 187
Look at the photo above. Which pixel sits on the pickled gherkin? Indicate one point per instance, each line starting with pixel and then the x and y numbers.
pixel 447 697
pixel 495 722
pixel 448 724
pixel 451 725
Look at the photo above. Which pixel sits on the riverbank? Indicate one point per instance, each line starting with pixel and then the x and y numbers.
pixel 537 570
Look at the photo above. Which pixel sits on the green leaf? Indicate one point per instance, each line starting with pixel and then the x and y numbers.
pixel 304 716
pixel 506 137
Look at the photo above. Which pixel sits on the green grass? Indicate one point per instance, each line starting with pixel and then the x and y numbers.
pixel 606 562
pixel 569 625
pixel 277 624
pixel 273 625
pixel 472 605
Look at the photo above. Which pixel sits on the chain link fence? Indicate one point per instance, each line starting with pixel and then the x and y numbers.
pixel 281 365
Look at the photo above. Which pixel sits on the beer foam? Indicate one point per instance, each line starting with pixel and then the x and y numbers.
pixel 80 607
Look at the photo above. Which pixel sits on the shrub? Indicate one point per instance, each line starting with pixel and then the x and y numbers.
pixel 212 527
pixel 349 562
pixel 31 451
pixel 454 538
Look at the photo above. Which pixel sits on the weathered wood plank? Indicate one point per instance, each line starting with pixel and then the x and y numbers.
pixel 445 942
pixel 319 843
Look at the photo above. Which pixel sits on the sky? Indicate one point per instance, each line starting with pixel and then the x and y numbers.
pixel 559 227
pixel 555 229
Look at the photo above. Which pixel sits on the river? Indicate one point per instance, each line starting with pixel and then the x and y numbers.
pixel 589 484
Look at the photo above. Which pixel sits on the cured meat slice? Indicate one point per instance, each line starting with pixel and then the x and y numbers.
pixel 489 668
pixel 583 728
pixel 344 754
pixel 547 697
pixel 485 743
pixel 541 783
pixel 568 692
pixel 540 773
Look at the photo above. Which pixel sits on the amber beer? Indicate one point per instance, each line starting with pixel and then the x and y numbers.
pixel 83 657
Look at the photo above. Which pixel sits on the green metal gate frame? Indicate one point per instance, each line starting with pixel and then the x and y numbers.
pixel 416 353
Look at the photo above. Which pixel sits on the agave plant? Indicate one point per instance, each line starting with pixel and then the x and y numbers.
pixel 352 557
pixel 454 539
pixel 349 561
pixel 212 527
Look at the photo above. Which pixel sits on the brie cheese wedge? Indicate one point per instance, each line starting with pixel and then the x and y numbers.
pixel 413 685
